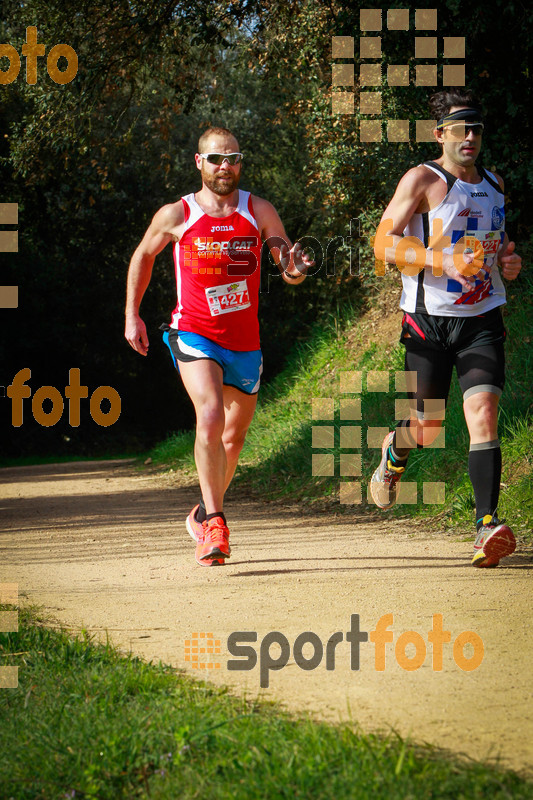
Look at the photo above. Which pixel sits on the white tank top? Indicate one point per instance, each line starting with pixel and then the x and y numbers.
pixel 469 209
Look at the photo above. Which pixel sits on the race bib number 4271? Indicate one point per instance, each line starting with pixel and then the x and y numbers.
pixel 227 298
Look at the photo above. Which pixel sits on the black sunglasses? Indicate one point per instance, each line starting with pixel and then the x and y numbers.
pixel 461 129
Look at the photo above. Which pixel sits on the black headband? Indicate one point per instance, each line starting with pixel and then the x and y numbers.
pixel 471 115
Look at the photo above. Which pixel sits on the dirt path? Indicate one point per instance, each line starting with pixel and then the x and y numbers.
pixel 104 547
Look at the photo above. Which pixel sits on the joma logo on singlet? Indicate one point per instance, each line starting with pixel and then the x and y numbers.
pixel 222 228
pixel 478 194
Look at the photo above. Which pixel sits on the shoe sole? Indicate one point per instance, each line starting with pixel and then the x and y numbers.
pixel 211 562
pixel 216 552
pixel 374 498
pixel 498 545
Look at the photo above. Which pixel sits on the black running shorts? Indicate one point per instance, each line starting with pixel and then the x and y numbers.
pixel 434 345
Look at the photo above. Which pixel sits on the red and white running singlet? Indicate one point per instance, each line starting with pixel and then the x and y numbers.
pixel 218 262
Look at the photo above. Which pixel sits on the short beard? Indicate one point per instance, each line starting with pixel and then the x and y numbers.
pixel 221 188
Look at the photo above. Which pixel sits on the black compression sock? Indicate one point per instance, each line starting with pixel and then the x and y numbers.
pixel 398 455
pixel 485 469
pixel 216 514
pixel 395 459
pixel 201 515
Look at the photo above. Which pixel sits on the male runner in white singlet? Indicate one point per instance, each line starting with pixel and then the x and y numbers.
pixel 452 308
pixel 213 335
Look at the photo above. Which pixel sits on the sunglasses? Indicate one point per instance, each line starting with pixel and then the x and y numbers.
pixel 219 158
pixel 459 130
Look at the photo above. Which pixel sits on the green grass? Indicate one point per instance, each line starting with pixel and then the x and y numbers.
pixel 87 722
pixel 177 449
pixel 276 461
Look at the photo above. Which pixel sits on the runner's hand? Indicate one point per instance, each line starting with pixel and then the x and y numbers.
pixel 295 261
pixel 511 262
pixel 136 335
pixel 467 281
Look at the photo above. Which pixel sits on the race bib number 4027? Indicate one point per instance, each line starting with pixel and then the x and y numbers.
pixel 227 298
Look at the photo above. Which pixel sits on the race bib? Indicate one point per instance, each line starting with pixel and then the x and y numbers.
pixel 227 298
pixel 491 243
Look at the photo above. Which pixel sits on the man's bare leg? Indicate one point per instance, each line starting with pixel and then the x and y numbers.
pixel 203 382
pixel 239 411
pixel 481 415
pixel 223 416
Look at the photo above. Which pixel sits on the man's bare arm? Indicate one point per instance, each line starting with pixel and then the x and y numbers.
pixel 156 238
pixel 412 196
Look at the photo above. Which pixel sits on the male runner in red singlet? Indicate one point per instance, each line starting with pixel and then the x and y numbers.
pixel 213 335
pixel 452 316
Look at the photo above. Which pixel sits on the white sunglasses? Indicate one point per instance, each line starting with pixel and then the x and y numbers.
pixel 219 158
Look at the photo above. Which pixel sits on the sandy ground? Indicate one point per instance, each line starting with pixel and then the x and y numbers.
pixel 102 546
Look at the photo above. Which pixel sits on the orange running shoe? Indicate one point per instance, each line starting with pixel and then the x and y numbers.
pixel 215 543
pixel 195 528
pixel 197 532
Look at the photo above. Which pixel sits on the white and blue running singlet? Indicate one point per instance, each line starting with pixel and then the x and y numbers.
pixel 469 209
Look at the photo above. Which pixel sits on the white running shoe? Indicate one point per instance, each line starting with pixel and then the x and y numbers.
pixel 494 540
pixel 384 484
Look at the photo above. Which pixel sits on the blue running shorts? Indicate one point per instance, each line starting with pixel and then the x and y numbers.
pixel 241 368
